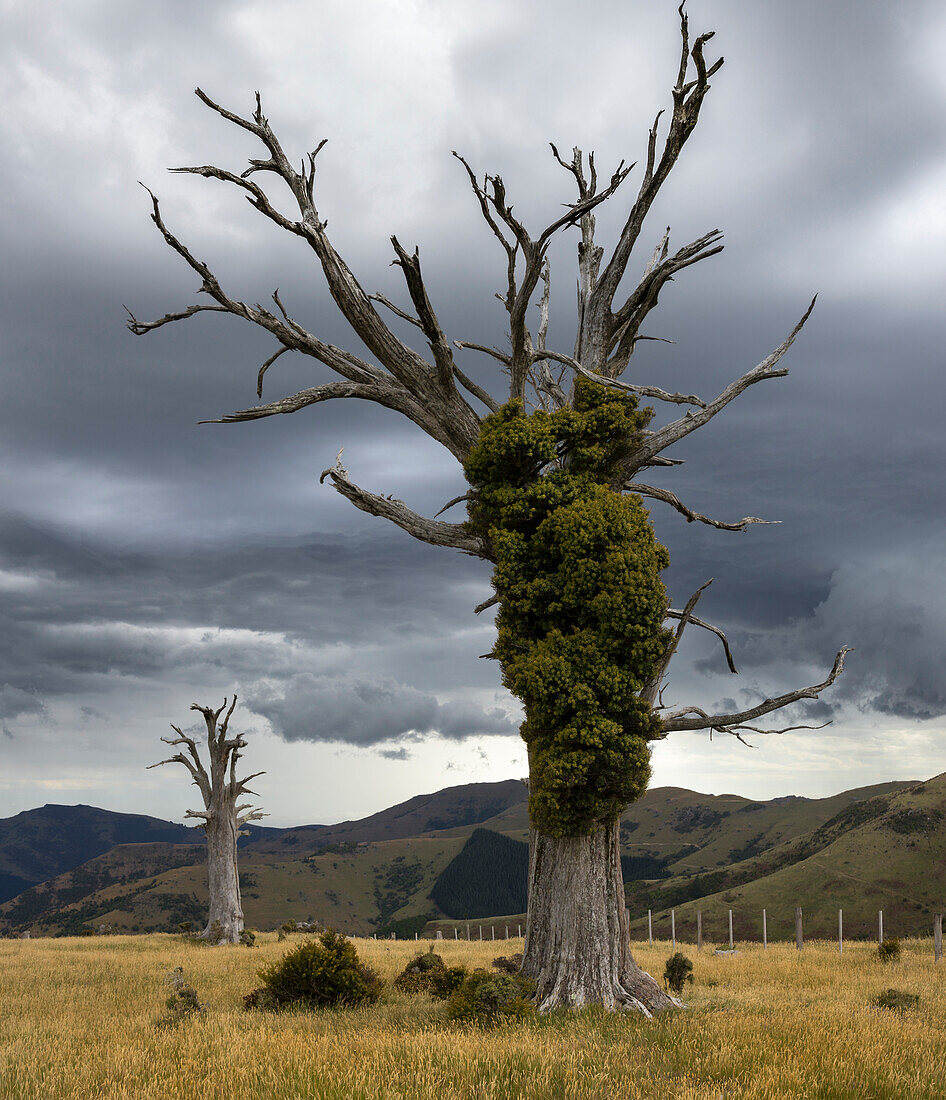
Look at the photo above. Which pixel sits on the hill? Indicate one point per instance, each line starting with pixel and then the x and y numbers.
pixel 677 846
pixel 882 852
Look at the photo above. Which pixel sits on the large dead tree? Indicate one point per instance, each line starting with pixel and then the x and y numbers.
pixel 577 943
pixel 222 818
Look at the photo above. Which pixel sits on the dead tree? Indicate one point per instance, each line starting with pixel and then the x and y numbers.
pixel 577 943
pixel 222 819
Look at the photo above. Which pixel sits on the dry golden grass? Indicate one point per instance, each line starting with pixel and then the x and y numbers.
pixel 77 1023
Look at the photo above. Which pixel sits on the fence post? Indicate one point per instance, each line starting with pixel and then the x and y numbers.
pixel 492 929
pixel 415 935
pixel 481 933
pixel 765 932
pixel 468 932
pixel 673 927
pixel 840 931
pixel 880 926
pixel 799 936
pixel 456 932
pixel 507 931
pixel 650 928
pixel 519 931
pixel 731 945
pixel 699 930
pixel 938 937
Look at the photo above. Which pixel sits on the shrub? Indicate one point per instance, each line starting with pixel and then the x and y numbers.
pixel 320 973
pixel 889 951
pixel 185 927
pixel 677 972
pixel 896 999
pixel 427 974
pixel 183 1001
pixel 509 964
pixel 248 937
pixel 486 998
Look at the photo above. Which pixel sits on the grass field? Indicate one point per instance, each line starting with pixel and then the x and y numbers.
pixel 77 1023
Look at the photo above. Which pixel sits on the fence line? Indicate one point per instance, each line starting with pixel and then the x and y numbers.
pixel 799 930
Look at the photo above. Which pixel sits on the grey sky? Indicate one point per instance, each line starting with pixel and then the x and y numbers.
pixel 147 562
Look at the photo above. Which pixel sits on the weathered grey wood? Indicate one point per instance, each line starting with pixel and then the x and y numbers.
pixel 840 932
pixel 222 819
pixel 880 926
pixel 799 935
pixel 731 944
pixel 699 930
pixel 673 927
pixel 938 937
pixel 577 948
pixel 650 927
pixel 765 931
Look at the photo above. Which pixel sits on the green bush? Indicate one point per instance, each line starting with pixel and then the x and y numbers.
pixel 509 964
pixel 320 973
pixel 486 998
pixel 896 999
pixel 889 951
pixel 427 973
pixel 677 972
pixel 182 1003
pixel 248 937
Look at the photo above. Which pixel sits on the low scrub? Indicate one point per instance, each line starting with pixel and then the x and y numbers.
pixel 509 964
pixel 323 973
pixel 678 970
pixel 486 998
pixel 889 951
pixel 183 1002
pixel 429 974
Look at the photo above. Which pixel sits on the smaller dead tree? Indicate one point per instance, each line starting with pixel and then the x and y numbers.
pixel 221 819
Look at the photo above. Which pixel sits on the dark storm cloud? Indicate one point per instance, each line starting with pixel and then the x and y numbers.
pixel 361 712
pixel 137 546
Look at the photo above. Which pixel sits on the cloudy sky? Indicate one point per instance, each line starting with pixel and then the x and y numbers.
pixel 147 562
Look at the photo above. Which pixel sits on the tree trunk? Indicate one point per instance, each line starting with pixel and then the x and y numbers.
pixel 577 949
pixel 225 921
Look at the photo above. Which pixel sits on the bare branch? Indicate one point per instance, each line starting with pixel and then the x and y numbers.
pixel 491 602
pixel 677 429
pixel 139 328
pixel 450 503
pixel 435 532
pixel 494 352
pixel 476 390
pixel 645 391
pixel 440 348
pixel 686 617
pixel 674 501
pixel 265 367
pixel 700 720
pixel 650 690
pixel 395 309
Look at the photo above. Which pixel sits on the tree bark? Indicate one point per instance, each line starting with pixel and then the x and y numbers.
pixel 225 919
pixel 577 948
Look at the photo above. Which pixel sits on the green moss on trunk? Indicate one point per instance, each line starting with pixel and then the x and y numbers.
pixel 580 626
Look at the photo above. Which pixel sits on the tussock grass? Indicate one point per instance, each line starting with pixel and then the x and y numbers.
pixel 77 1023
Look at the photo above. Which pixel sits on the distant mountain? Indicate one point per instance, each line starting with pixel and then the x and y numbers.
pixel 37 845
pixel 416 862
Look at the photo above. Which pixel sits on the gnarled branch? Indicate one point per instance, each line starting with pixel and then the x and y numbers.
pixel 674 501
pixel 435 532
pixel 678 429
pixel 693 718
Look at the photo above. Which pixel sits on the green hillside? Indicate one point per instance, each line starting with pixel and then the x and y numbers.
pixel 884 852
pixel 679 849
